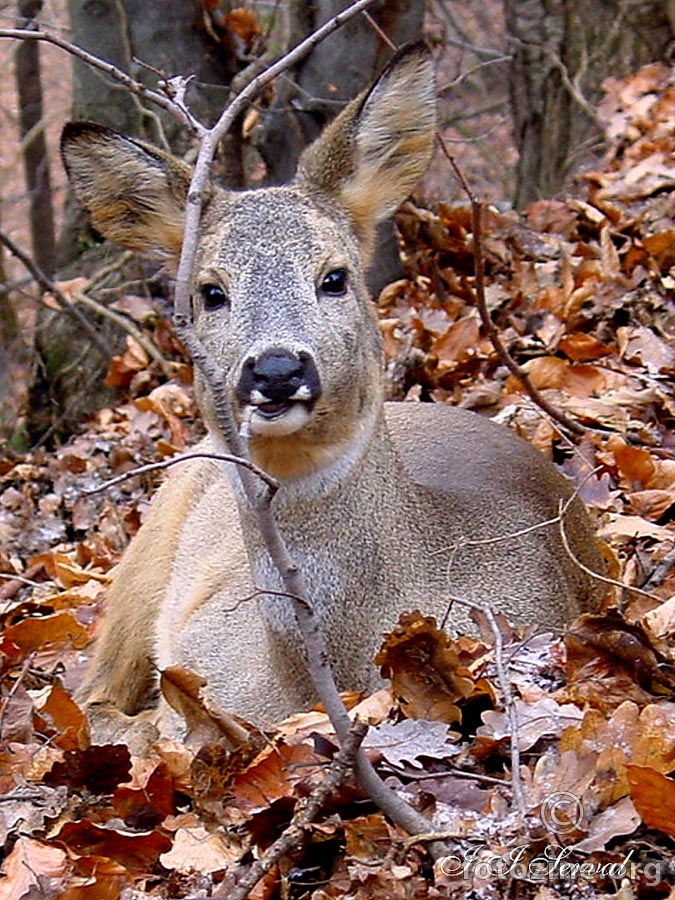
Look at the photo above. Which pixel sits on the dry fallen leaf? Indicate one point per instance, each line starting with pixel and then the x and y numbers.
pixel 427 676
pixel 408 742
pixel 182 689
pixel 136 852
pixel 33 634
pixel 97 768
pixel 60 715
pixel 629 736
pixel 543 718
pixel 33 869
pixel 654 797
pixel 616 820
pixel 196 849
pixel 610 659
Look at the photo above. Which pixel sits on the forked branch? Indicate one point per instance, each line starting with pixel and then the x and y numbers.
pixel 134 87
pixel 292 578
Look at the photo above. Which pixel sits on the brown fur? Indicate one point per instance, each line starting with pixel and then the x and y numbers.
pixel 378 503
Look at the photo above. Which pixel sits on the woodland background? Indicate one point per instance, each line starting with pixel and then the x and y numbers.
pixel 562 117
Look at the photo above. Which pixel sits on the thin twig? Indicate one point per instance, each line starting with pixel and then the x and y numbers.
pixel 14 583
pixel 133 86
pixel 511 712
pixel 271 483
pixel 572 86
pixel 20 578
pixel 432 836
pixel 498 539
pixel 563 508
pixel 493 333
pixel 602 578
pixel 48 285
pixel 454 771
pixel 130 327
pixel 4 706
pixel 509 701
pixel 101 274
pixel 486 319
pixel 456 82
pixel 383 36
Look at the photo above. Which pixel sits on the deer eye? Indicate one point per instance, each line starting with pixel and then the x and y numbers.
pixel 213 296
pixel 335 283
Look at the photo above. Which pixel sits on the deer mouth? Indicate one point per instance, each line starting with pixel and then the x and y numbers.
pixel 278 418
pixel 271 411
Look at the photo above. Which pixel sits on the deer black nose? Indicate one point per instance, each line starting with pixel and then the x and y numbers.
pixel 278 376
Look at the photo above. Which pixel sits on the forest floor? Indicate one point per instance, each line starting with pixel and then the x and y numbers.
pixel 582 291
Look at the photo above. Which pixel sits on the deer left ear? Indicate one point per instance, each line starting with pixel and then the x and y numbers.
pixel 373 154
pixel 134 193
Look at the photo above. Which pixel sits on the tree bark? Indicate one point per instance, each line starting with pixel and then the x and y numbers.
pixel 561 52
pixel 34 151
pixel 12 352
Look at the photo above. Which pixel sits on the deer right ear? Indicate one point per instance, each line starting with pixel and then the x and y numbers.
pixel 134 193
pixel 371 156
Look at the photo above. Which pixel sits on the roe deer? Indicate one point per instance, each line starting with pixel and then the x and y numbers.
pixel 376 499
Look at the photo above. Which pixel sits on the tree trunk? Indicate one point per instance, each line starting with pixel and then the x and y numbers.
pixel 11 350
pixel 35 158
pixel 561 52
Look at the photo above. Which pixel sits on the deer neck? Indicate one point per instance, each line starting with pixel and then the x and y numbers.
pixel 365 487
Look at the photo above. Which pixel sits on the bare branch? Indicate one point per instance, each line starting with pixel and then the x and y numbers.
pixel 486 319
pixel 596 575
pixel 383 36
pixel 48 285
pixel 507 693
pixel 297 834
pixel 463 76
pixel 511 711
pixel 126 324
pixel 135 87
pixel 498 539
pixel 186 457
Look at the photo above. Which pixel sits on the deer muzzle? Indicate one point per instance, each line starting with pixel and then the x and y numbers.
pixel 281 387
